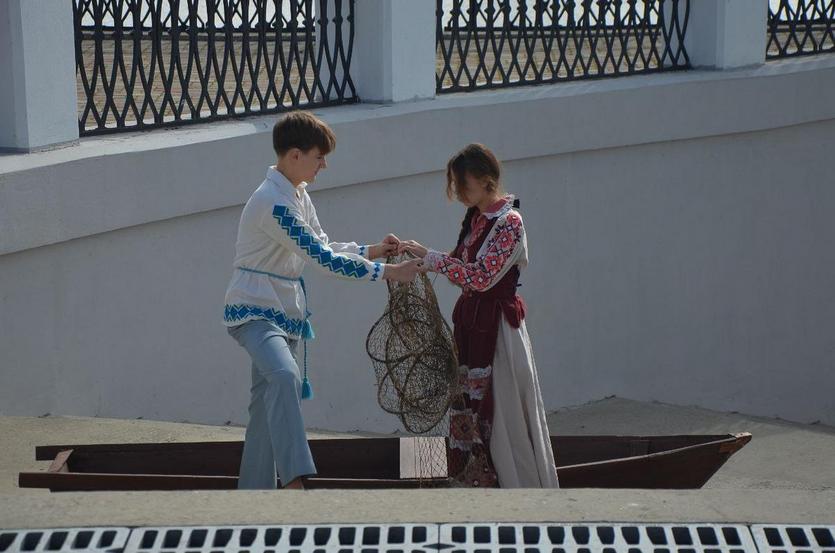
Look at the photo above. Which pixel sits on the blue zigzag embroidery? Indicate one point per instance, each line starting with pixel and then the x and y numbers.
pixel 318 251
pixel 235 313
pixel 376 274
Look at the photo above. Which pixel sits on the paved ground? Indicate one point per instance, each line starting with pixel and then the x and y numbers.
pixel 786 474
pixel 781 455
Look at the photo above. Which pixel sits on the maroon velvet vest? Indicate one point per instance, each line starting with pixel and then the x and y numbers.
pixel 477 315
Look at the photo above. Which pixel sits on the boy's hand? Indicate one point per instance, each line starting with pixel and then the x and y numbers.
pixel 387 247
pixel 406 271
pixel 413 248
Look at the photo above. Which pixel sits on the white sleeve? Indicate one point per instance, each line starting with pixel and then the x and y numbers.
pixel 287 226
pixel 337 247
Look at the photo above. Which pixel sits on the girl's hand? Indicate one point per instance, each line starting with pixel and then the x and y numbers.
pixel 405 271
pixel 413 248
pixel 387 247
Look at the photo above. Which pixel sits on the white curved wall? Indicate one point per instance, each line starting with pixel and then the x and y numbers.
pixel 680 230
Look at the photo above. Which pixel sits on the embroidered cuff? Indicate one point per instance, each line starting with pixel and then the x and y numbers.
pixel 363 250
pixel 378 272
pixel 433 259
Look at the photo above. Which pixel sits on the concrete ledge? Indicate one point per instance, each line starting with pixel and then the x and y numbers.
pixel 103 184
pixel 434 506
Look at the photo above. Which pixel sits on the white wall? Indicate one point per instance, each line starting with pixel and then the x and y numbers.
pixel 680 231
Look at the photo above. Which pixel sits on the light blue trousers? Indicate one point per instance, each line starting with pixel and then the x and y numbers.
pixel 275 436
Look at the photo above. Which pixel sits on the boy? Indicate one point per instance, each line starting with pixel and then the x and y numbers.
pixel 266 307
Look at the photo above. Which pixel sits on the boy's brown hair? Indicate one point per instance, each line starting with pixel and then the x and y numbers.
pixel 302 130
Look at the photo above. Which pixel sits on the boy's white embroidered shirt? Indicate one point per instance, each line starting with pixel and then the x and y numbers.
pixel 278 235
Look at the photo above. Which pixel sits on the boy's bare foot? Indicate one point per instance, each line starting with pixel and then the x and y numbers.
pixel 296 484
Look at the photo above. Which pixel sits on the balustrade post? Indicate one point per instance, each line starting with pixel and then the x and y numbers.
pixel 394 50
pixel 38 100
pixel 724 34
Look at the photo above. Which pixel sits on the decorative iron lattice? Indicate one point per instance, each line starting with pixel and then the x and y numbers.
pixel 500 43
pixel 150 63
pixel 800 28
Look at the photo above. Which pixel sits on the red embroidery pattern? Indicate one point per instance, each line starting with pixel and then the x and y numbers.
pixel 463 429
pixel 470 426
pixel 480 274
pixel 478 470
pixel 478 382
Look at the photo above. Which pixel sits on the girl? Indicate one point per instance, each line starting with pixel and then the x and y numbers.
pixel 498 433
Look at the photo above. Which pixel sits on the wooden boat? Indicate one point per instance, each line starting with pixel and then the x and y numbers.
pixel 674 462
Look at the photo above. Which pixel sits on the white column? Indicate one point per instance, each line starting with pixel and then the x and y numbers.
pixel 394 50
pixel 38 106
pixel 725 34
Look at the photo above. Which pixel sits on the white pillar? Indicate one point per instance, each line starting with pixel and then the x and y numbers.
pixel 38 105
pixel 394 50
pixel 725 34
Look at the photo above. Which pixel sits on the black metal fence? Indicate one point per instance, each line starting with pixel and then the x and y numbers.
pixel 800 28
pixel 151 63
pixel 500 43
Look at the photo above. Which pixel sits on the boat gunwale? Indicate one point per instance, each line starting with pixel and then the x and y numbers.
pixel 49 452
pixel 740 438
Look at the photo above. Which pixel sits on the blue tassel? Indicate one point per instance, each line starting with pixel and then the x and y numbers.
pixel 307 331
pixel 307 389
pixel 307 334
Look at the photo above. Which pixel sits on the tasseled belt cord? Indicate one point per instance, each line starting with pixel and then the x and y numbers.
pixel 307 328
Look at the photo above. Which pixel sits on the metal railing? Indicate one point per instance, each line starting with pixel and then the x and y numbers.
pixel 151 63
pixel 500 43
pixel 800 28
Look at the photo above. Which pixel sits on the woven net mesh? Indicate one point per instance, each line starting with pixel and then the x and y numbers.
pixel 413 352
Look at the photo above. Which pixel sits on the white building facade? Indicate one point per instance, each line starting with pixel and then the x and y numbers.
pixel 680 226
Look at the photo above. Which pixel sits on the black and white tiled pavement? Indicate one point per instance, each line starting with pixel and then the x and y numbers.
pixel 430 538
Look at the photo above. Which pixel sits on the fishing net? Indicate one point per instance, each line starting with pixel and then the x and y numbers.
pixel 413 352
